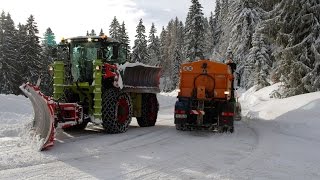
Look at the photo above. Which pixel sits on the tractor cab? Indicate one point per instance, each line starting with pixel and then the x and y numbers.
pixel 81 52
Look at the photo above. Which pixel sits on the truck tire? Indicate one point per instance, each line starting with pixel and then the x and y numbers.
pixel 181 127
pixel 149 110
pixel 116 111
pixel 231 130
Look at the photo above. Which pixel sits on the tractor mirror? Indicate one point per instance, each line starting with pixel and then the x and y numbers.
pixel 115 52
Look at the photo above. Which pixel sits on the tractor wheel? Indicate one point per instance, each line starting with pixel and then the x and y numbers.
pixel 116 111
pixel 149 110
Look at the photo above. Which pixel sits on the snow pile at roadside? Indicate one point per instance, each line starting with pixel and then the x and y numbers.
pixel 298 114
pixel 15 113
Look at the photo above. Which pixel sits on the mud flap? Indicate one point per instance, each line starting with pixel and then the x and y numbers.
pixel 43 124
pixel 141 79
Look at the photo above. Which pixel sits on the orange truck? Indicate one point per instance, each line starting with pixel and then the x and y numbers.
pixel 207 97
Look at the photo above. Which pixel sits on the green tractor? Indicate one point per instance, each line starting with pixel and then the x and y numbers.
pixel 94 82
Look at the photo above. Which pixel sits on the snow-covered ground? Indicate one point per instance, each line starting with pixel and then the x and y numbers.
pixel 279 139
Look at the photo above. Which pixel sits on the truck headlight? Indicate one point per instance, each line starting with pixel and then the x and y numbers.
pixel 226 92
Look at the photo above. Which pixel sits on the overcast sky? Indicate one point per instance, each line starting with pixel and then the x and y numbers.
pixel 69 18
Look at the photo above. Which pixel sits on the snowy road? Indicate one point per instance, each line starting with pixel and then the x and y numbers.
pixel 259 149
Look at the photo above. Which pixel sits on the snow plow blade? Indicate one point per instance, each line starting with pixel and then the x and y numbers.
pixel 141 79
pixel 43 128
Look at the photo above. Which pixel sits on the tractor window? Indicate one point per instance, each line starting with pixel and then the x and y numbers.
pixel 108 53
pixel 83 56
pixel 122 54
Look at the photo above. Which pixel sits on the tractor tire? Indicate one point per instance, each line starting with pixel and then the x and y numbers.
pixel 116 111
pixel 149 110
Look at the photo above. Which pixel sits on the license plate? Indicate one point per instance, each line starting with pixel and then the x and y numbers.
pixel 181 116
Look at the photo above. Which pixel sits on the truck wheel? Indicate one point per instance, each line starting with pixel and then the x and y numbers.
pixel 231 129
pixel 181 127
pixel 116 111
pixel 149 110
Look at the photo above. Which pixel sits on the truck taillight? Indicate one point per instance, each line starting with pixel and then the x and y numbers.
pixel 180 111
pixel 180 114
pixel 227 114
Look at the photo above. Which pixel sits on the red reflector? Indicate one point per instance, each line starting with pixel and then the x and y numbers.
pixel 179 111
pixel 227 114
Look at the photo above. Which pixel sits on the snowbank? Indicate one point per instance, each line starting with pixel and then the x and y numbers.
pixel 297 115
pixel 260 105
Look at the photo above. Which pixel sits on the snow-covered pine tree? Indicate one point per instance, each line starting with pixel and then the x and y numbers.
pixel 293 26
pixel 48 45
pixel 2 66
pixel 93 33
pixel 246 18
pixel 10 73
pixel 124 37
pixel 206 53
pixel 163 49
pixel 178 52
pixel 258 63
pixel 49 38
pixel 216 24
pixel 164 56
pixel 32 51
pixel 153 46
pixel 194 32
pixel 139 50
pixel 22 50
pixel 210 35
pixel 114 28
pixel 169 43
pixel 171 48
pixel 101 32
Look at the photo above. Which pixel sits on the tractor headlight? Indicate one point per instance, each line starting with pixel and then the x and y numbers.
pixel 98 68
pixel 50 70
pixel 89 39
pixel 226 92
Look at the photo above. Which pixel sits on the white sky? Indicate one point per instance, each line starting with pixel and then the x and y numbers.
pixel 68 18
